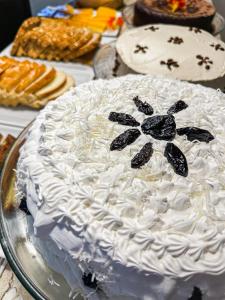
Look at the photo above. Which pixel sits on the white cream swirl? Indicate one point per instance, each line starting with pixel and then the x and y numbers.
pixel 151 218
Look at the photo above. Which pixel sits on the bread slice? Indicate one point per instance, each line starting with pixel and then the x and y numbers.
pixel 89 46
pixel 67 85
pixel 31 77
pixel 13 74
pixel 54 85
pixel 42 81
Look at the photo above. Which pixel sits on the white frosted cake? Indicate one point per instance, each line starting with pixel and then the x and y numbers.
pixel 179 52
pixel 125 180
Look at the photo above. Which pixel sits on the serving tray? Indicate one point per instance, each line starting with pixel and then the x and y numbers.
pixel 16 237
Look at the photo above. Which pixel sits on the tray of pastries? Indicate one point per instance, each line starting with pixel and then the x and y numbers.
pixel 54 39
pixel 30 84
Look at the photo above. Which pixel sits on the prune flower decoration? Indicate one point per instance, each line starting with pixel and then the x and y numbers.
pixel 160 127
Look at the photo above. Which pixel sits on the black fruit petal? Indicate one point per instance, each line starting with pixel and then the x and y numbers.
pixel 194 133
pixel 125 139
pixel 177 159
pixel 143 107
pixel 160 127
pixel 123 119
pixel 176 107
pixel 142 157
pixel 89 282
pixel 23 206
pixel 196 294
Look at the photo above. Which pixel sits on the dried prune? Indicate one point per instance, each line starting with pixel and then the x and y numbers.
pixel 196 134
pixel 177 159
pixel 123 119
pixel 196 294
pixel 23 206
pixel 143 107
pixel 124 139
pixel 176 107
pixel 160 127
pixel 142 157
pixel 89 281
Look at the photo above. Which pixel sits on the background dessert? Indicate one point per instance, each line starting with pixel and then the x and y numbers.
pixel 195 13
pixel 168 50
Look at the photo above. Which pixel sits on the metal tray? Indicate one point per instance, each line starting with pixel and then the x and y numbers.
pixel 28 265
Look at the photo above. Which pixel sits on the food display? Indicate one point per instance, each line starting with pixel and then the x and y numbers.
pixel 29 83
pixel 97 3
pixel 99 20
pixel 135 183
pixel 195 13
pixel 53 39
pixel 168 50
pixel 116 187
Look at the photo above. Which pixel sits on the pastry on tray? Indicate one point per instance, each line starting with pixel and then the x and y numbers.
pixel 196 13
pixel 5 146
pixel 29 83
pixel 53 39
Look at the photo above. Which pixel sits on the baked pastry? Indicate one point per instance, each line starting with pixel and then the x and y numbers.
pixel 185 53
pixel 98 3
pixel 53 39
pixel 195 13
pixel 5 146
pixel 125 179
pixel 29 83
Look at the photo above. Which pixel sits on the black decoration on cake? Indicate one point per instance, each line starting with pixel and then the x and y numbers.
pixel 140 48
pixel 204 61
pixel 152 28
pixel 170 63
pixel 196 294
pixel 177 159
pixel 143 107
pixel 89 281
pixel 176 107
pixel 125 139
pixel 142 157
pixel 217 47
pixel 195 30
pixel 196 134
pixel 23 206
pixel 123 119
pixel 160 127
pixel 176 40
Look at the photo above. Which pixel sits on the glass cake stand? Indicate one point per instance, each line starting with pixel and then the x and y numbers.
pixel 218 23
pixel 28 265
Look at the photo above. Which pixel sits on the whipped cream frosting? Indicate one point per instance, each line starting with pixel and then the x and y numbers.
pixel 145 234
pixel 174 51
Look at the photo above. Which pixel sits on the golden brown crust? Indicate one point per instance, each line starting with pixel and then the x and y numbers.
pixel 53 39
pixel 27 83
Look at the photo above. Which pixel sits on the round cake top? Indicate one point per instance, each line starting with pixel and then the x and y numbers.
pixel 147 188
pixel 185 53
pixel 186 8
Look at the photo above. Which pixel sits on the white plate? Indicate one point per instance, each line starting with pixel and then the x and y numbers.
pixel 21 116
